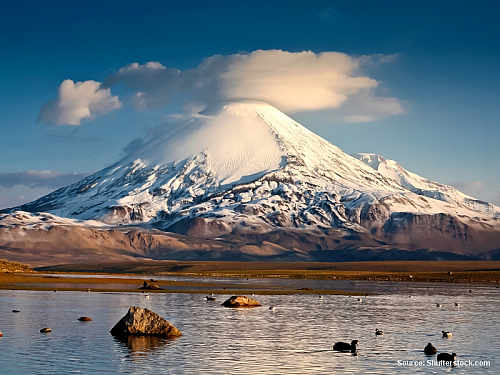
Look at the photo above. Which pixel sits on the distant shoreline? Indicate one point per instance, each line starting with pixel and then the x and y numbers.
pixel 485 272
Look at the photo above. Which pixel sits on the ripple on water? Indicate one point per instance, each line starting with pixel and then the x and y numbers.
pixel 296 338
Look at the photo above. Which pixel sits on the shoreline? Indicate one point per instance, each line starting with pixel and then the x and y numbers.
pixel 129 276
pixel 484 272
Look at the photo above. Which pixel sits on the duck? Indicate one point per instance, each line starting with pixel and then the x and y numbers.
pixel 447 357
pixel 360 300
pixel 272 307
pixel 446 334
pixel 430 349
pixel 45 330
pixel 146 296
pixel 378 332
pixel 457 304
pixel 438 305
pixel 345 347
pixel 210 298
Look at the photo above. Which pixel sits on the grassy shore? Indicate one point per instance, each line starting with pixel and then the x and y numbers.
pixel 59 278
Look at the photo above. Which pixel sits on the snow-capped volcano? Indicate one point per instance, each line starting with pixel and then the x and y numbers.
pixel 245 169
pixel 247 151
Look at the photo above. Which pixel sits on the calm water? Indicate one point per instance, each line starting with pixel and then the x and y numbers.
pixel 296 338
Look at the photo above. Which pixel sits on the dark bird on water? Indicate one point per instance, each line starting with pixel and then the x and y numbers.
pixel 345 347
pixel 446 334
pixel 430 349
pixel 447 357
pixel 378 332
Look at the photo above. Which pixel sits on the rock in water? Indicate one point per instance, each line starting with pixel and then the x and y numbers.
pixel 241 301
pixel 139 321
pixel 84 319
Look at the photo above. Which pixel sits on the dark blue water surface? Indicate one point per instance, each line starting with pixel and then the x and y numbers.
pixel 296 338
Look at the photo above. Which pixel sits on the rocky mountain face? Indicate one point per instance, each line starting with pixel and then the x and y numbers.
pixel 251 183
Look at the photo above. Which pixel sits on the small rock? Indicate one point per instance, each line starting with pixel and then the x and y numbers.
pixel 139 321
pixel 241 301
pixel 84 319
pixel 45 330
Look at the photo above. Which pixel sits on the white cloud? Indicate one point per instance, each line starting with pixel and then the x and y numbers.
pixel 294 82
pixel 291 81
pixel 77 101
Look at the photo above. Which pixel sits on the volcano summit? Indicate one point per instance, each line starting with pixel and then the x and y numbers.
pixel 246 182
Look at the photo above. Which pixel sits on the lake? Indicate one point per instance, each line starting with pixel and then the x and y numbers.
pixel 296 338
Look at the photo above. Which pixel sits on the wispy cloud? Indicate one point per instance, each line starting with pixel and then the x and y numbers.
pixel 292 82
pixel 39 179
pixel 77 101
pixel 327 14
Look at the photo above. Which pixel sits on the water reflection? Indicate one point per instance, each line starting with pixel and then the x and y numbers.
pixel 142 345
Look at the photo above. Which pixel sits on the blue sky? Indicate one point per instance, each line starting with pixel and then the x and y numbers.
pixel 422 80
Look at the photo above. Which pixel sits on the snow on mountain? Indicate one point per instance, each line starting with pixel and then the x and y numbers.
pixel 425 187
pixel 246 169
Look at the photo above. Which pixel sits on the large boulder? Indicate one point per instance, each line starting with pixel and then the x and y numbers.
pixel 241 301
pixel 139 321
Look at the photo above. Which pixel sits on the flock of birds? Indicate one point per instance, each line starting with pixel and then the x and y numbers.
pixel 352 347
pixel 429 349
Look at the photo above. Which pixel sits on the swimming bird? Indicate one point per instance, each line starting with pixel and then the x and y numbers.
pixel 345 347
pixel 446 334
pixel 210 298
pixel 457 304
pixel 410 296
pixel 447 357
pixel 360 300
pixel 378 332
pixel 430 349
pixel 438 305
pixel 320 297
pixel 272 307
pixel 146 296
pixel 45 330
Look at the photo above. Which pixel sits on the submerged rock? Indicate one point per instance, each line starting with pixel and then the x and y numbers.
pixel 84 319
pixel 139 321
pixel 241 301
pixel 45 330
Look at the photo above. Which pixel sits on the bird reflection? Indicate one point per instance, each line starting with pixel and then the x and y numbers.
pixel 140 345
